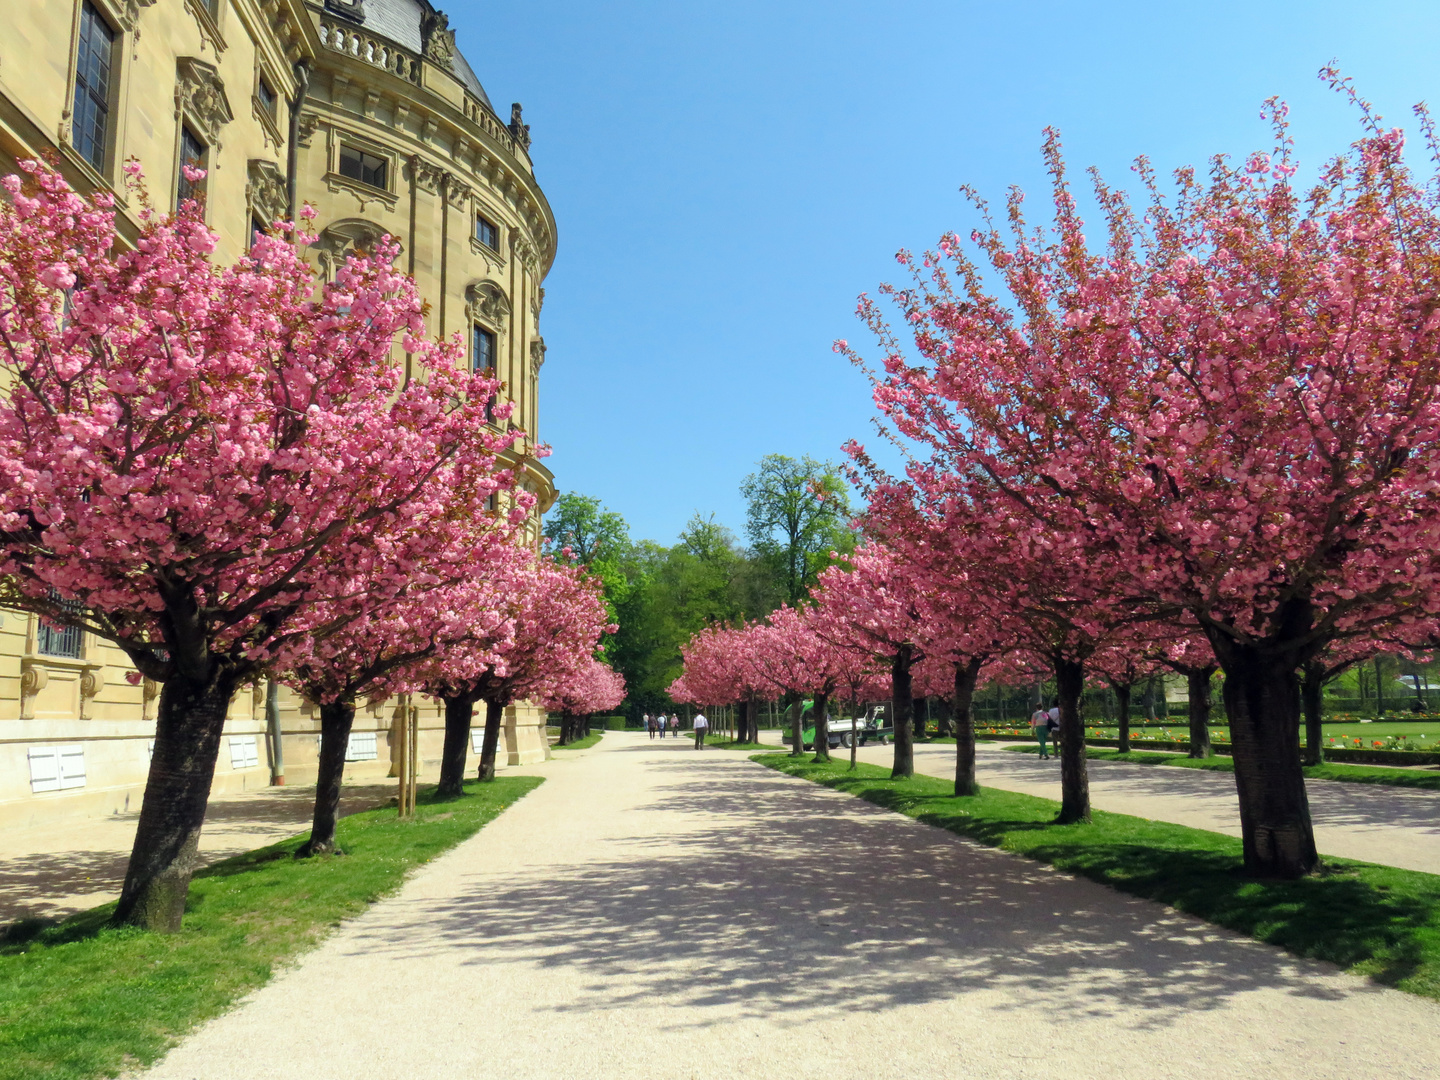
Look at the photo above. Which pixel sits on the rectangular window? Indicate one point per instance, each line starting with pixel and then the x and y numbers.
pixel 90 128
pixel 362 747
pixel 257 230
pixel 244 752
pixel 487 233
pixel 482 357
pixel 266 96
pixel 53 640
pixel 56 768
pixel 477 741
pixel 192 153
pixel 358 165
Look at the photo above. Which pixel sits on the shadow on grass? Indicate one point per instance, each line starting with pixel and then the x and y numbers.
pixel 1377 921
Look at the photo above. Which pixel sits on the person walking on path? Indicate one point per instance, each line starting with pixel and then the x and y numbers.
pixel 675 725
pixel 701 725
pixel 1040 724
pixel 651 725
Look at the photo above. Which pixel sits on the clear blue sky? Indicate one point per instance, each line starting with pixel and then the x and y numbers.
pixel 728 177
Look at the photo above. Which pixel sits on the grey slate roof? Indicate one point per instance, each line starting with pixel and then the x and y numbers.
pixel 399 20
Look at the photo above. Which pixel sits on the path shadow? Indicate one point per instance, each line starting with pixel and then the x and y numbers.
pixel 1333 803
pixel 53 884
pixel 786 898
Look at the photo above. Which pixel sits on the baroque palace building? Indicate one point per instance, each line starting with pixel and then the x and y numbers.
pixel 364 109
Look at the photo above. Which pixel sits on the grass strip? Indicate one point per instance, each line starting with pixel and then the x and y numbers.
pixel 724 742
pixel 582 743
pixel 1376 921
pixel 79 999
pixel 1350 774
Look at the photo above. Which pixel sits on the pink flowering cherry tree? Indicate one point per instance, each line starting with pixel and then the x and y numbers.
pixel 556 617
pixel 450 610
pixel 595 687
pixel 1235 393
pixel 195 460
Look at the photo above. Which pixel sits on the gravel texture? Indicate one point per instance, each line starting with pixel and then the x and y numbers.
pixel 656 912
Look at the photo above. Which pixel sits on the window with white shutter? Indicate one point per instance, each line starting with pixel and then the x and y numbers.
pixel 361 747
pixel 477 741
pixel 56 768
pixel 44 768
pixel 244 752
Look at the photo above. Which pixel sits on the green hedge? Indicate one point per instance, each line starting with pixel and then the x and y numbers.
pixel 609 723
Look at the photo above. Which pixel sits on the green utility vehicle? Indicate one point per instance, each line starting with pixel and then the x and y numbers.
pixel 870 728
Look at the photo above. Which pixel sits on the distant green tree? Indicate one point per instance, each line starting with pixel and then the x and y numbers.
pixel 590 531
pixel 797 512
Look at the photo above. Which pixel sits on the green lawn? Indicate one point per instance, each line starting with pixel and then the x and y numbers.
pixel 1425 731
pixel 1371 920
pixel 581 744
pixel 1353 774
pixel 81 1000
pixel 724 742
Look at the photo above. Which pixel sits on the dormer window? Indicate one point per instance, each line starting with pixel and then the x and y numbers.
pixel 366 168
pixel 487 232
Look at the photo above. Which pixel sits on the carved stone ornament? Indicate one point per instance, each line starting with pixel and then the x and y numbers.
pixel 354 10
pixel 265 191
pixel 524 251
pixel 518 128
pixel 130 14
pixel 205 20
pixel 427 176
pixel 537 355
pixel 485 302
pixel 200 94
pixel 306 130
pixel 340 239
pixel 33 679
pixel 438 40
pixel 92 682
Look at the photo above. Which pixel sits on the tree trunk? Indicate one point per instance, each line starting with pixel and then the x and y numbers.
pixel 1262 699
pixel 336 720
pixel 1312 684
pixel 1198 683
pixel 966 675
pixel 1074 776
pixel 918 718
pixel 494 714
pixel 459 712
pixel 797 727
pixel 1122 712
pixel 190 721
pixel 822 728
pixel 901 704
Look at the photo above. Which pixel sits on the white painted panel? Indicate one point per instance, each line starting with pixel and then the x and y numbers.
pixel 244 752
pixel 362 747
pixel 72 767
pixel 44 768
pixel 477 740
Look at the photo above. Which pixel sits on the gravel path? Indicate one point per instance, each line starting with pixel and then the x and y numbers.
pixel 654 912
pixel 1389 825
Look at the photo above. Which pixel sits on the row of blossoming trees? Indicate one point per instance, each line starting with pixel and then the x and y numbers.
pixel 222 471
pixel 1211 440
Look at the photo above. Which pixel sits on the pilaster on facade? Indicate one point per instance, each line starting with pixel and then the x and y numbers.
pixel 273 92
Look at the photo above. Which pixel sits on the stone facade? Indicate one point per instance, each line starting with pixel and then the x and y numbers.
pixel 364 109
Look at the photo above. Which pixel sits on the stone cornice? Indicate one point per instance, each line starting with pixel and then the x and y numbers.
pixel 484 149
